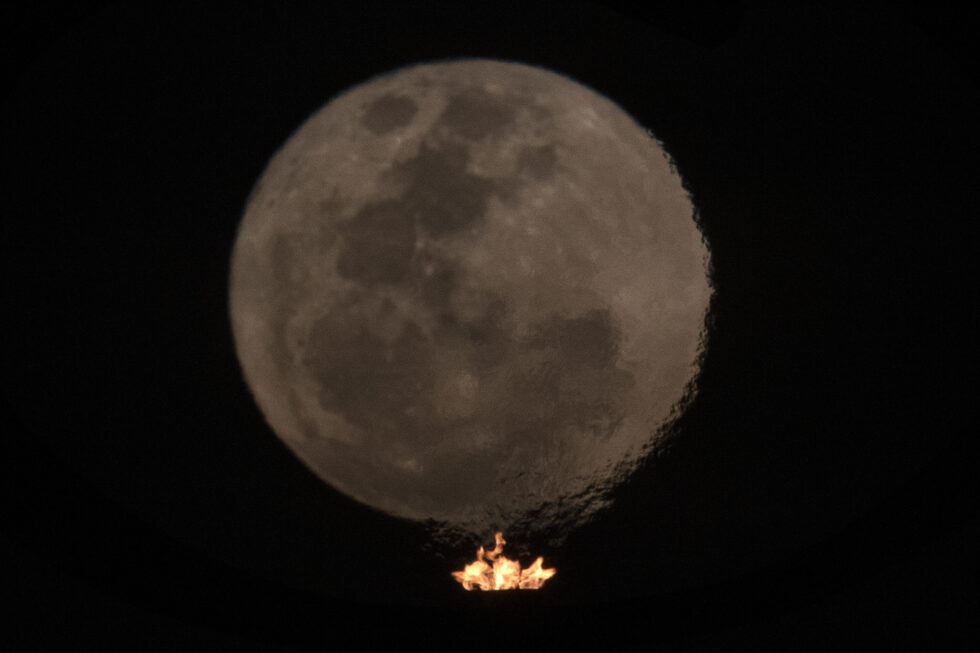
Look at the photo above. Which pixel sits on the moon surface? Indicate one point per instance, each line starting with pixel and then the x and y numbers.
pixel 471 293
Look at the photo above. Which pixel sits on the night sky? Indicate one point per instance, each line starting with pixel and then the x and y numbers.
pixel 817 492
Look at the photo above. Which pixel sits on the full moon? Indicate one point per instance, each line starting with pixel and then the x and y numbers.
pixel 471 293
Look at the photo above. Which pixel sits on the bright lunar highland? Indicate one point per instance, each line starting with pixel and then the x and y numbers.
pixel 472 292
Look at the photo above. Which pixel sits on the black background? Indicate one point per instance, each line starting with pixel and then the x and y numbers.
pixel 818 494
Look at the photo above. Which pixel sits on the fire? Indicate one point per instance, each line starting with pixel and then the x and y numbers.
pixel 503 574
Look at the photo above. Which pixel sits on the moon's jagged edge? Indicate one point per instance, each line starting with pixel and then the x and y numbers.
pixel 470 292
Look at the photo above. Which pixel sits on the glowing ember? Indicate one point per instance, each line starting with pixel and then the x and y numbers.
pixel 503 574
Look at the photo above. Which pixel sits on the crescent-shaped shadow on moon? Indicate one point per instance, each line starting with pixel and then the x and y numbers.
pixel 472 292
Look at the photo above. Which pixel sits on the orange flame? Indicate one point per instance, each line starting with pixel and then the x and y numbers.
pixel 504 574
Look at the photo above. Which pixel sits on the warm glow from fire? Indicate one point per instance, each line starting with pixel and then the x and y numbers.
pixel 502 574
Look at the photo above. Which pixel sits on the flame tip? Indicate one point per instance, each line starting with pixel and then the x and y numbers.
pixel 504 574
